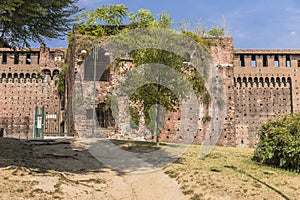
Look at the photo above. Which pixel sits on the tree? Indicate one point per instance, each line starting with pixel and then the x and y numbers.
pixel 279 143
pixel 150 96
pixel 22 21
pixel 95 21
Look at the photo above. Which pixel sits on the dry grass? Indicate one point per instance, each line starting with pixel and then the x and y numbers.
pixel 137 146
pixel 229 173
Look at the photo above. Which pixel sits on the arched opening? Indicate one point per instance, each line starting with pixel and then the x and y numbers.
pixel 239 81
pixel 27 75
pixel 33 75
pixel 267 82
pixel 278 81
pixel 273 81
pixel 16 75
pixel 250 81
pixel 21 75
pixel 283 81
pixel 46 72
pixel 3 75
pixel 55 72
pixel 245 81
pixel 104 116
pixel 256 81
pixel 9 75
pixel 261 81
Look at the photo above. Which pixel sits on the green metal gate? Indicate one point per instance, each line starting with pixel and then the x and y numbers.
pixel 49 121
pixel 38 123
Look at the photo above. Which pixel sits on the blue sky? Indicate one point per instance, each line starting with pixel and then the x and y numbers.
pixel 258 24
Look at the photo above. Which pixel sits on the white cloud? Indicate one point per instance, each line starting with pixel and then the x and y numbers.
pixel 293 33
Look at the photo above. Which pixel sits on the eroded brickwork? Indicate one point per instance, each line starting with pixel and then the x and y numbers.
pixel 259 85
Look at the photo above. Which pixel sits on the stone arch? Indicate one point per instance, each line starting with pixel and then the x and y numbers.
pixel 16 75
pixel 33 75
pixel 267 81
pixel 9 75
pixel 289 81
pixel 273 81
pixel 22 75
pixel 239 80
pixel 278 81
pixel 3 75
pixel 250 81
pixel 27 75
pixel 261 81
pixel 256 81
pixel 245 81
pixel 46 72
pixel 55 72
pixel 283 80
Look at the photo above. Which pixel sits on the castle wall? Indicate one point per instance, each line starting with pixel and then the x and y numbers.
pixel 27 80
pixel 266 86
pixel 258 85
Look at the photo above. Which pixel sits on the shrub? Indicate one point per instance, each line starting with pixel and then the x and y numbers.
pixel 280 143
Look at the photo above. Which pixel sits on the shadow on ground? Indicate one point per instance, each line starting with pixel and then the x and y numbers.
pixel 69 155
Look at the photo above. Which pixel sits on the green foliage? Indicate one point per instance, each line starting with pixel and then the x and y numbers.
pixel 207 118
pixel 152 94
pixel 216 31
pixel 143 18
pixel 135 117
pixel 103 21
pixel 60 82
pixel 105 15
pixel 22 21
pixel 108 20
pixel 280 143
pixel 200 30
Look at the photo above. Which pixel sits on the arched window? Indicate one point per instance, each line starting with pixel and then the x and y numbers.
pixel 46 72
pixel 55 72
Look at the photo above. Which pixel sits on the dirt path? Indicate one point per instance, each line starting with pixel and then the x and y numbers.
pixel 154 185
pixel 20 183
pixel 64 170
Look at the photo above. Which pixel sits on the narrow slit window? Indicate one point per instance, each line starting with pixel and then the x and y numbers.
pixel 276 61
pixel 265 60
pixel 298 63
pixel 288 61
pixel 38 60
pixel 242 60
pixel 16 58
pixel 4 58
pixel 253 61
pixel 28 58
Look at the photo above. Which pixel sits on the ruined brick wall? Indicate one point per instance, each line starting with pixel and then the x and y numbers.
pixel 27 80
pixel 179 125
pixel 259 85
pixel 222 56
